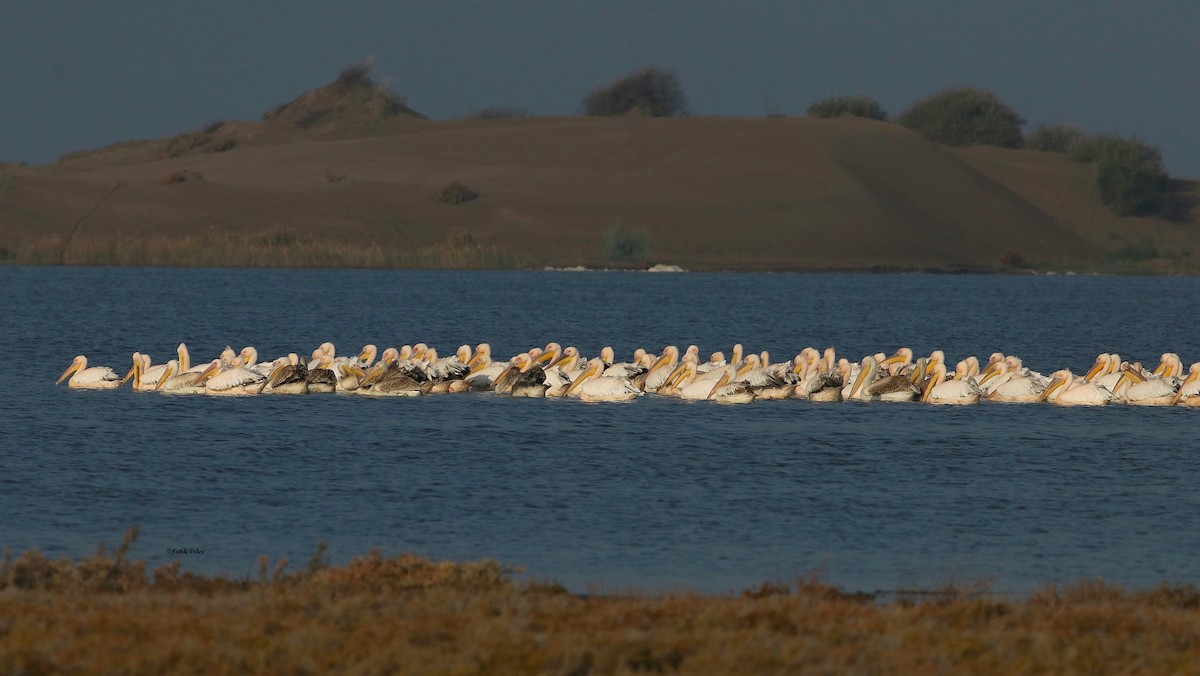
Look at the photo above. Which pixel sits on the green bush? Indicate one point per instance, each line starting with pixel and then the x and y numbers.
pixel 624 244
pixel 965 117
pixel 1133 181
pixel 1129 174
pixel 1093 147
pixel 1054 138
pixel 858 106
pixel 650 92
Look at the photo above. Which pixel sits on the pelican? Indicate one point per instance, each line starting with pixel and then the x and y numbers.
pixel 1065 391
pixel 888 388
pixel 765 383
pixel 389 381
pixel 235 379
pixel 592 386
pixel 286 378
pixel 503 382
pixel 1189 391
pixel 820 383
pixel 367 355
pixel 533 384
pixel 145 376
pixel 178 381
pixel 954 391
pixel 321 377
pixel 1147 391
pixel 89 377
pixel 140 383
pixel 663 368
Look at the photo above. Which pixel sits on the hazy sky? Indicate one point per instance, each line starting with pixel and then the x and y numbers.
pixel 86 73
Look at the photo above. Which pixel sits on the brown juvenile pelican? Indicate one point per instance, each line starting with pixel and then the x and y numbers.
pixel 390 381
pixel 286 378
pixel 504 381
pixel 321 378
pixel 869 387
pixel 825 385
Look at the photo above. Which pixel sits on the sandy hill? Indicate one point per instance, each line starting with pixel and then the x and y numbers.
pixel 315 184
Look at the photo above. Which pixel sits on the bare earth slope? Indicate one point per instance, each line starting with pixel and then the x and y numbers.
pixel 709 193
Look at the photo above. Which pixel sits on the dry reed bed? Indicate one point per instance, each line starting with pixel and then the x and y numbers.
pixel 275 248
pixel 411 615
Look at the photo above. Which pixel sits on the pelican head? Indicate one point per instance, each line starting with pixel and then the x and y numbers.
pixel 137 364
pixel 249 355
pixel 594 368
pixel 1059 380
pixel 608 355
pixel 368 354
pixel 79 363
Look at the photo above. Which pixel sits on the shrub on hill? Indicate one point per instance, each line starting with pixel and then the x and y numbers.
pixel 1129 174
pixel 965 117
pixel 858 106
pixel 650 92
pixel 623 244
pixel 1054 138
pixel 1132 179
pixel 1093 147
pixel 353 99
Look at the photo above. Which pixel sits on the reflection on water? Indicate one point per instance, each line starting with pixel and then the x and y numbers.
pixel 651 494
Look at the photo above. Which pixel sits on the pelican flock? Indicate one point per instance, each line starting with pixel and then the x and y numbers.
pixel 557 371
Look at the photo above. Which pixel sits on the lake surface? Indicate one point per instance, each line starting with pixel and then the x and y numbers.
pixel 652 494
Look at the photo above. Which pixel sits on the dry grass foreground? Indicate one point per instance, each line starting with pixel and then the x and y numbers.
pixel 411 615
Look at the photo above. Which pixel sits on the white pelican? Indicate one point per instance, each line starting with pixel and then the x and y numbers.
pixel 1000 382
pixel 1065 391
pixel 686 385
pixel 1140 390
pixel 954 391
pixel 89 377
pixel 591 385
pixel 145 376
pixel 178 381
pixel 1189 391
pixel 1099 367
pixel 140 384
pixel 367 355
pixel 235 379
pixel 663 367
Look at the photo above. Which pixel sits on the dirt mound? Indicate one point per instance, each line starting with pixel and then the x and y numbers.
pixel 706 193
pixel 351 101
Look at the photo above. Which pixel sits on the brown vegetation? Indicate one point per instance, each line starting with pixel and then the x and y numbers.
pixel 408 614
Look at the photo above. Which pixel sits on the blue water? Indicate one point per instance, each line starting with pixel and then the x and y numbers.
pixel 652 494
